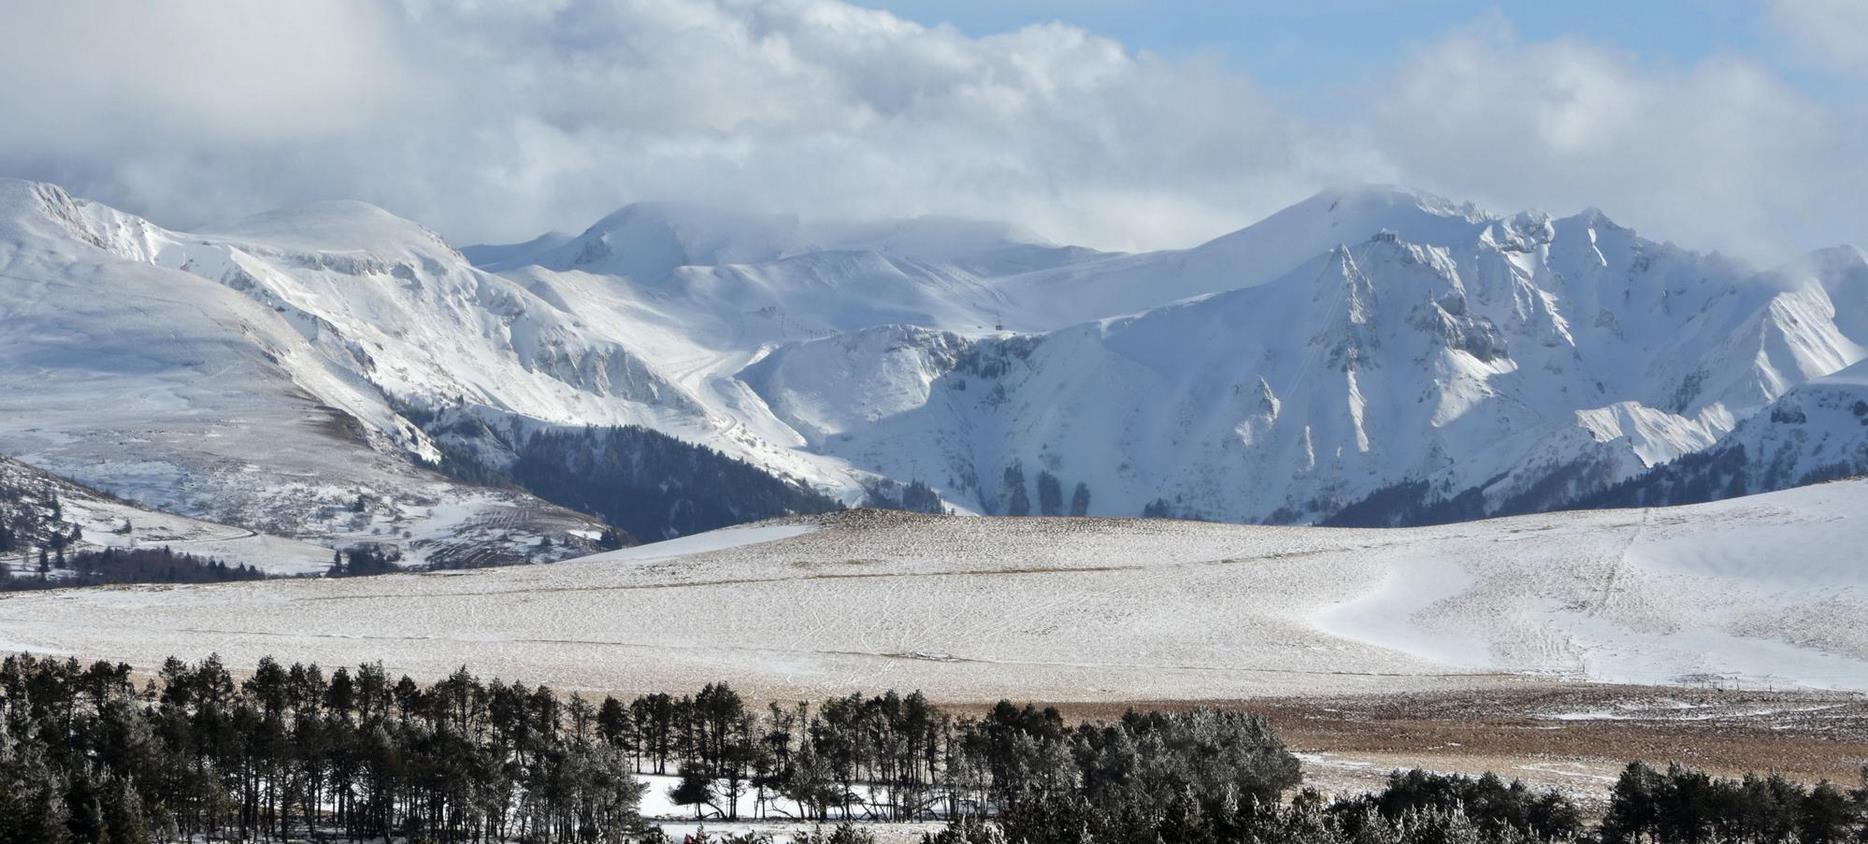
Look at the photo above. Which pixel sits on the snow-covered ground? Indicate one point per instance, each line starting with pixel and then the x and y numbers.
pixel 774 815
pixel 715 540
pixel 1764 590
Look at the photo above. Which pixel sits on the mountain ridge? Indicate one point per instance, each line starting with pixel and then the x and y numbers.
pixel 1414 349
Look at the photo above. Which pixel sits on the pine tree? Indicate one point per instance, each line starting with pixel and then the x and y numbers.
pixel 613 723
pixel 1826 817
pixel 695 789
pixel 1017 503
pixel 1050 495
pixel 125 817
pixel 43 820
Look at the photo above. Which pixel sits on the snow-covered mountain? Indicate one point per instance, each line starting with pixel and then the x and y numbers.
pixel 1371 355
pixel 252 377
pixel 1504 365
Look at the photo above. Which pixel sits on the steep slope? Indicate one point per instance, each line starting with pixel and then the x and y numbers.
pixel 1477 364
pixel 1763 591
pixel 1815 432
pixel 1446 364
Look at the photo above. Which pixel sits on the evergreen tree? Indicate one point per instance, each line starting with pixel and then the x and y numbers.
pixel 84 818
pixel 1017 503
pixel 1050 495
pixel 695 788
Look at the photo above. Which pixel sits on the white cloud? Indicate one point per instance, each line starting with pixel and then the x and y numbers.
pixel 1832 34
pixel 1721 153
pixel 497 121
pixel 86 73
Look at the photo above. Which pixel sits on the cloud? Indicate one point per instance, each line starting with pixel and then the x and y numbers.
pixel 1721 153
pixel 495 121
pixel 1832 34
pixel 93 76
pixel 828 108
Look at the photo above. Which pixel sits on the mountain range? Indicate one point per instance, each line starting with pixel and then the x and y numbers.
pixel 1369 356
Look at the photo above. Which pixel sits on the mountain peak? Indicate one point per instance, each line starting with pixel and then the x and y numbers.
pixel 337 225
pixel 1595 218
pixel 693 217
pixel 21 199
pixel 11 189
pixel 1346 199
pixel 647 240
pixel 1839 257
pixel 1342 215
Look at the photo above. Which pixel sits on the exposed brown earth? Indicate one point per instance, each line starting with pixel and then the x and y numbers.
pixel 1575 737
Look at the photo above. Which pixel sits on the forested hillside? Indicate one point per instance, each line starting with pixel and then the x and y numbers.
pixel 648 484
pixel 31 516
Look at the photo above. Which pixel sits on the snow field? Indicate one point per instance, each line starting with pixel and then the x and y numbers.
pixel 1762 591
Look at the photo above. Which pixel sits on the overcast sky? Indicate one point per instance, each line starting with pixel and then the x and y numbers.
pixel 1112 123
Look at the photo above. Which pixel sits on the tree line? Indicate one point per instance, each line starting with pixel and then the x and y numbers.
pixel 1646 806
pixel 96 567
pixel 86 755
pixel 291 752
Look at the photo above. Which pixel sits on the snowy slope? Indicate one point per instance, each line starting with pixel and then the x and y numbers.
pixel 1759 591
pixel 1816 431
pixel 1055 297
pixel 209 377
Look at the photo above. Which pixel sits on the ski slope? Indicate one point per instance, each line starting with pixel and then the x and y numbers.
pixel 1764 590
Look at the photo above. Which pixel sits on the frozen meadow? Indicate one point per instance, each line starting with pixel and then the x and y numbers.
pixel 1763 591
